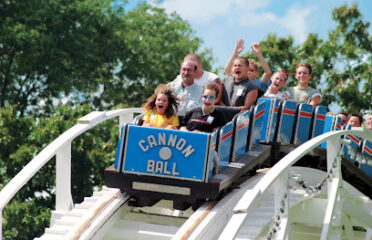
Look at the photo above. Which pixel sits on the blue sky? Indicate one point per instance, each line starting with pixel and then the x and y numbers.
pixel 221 22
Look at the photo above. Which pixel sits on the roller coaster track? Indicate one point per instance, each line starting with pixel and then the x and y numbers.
pixel 285 202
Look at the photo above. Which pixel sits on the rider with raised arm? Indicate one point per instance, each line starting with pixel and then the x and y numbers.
pixel 262 82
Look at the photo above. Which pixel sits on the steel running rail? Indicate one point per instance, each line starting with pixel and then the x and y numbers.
pixel 61 148
pixel 278 176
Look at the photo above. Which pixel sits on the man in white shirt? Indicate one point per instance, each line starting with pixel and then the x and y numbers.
pixel 203 77
pixel 186 89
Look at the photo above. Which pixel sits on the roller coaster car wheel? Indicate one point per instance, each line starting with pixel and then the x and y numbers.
pixel 182 205
pixel 142 202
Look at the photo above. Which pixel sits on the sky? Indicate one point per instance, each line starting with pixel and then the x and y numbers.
pixel 220 23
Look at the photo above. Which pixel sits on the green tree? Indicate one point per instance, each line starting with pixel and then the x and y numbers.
pixel 54 49
pixel 91 153
pixel 85 52
pixel 341 63
pixel 348 58
pixel 156 44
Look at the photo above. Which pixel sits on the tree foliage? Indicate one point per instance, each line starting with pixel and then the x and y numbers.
pixel 51 49
pixel 85 51
pixel 349 83
pixel 79 51
pixel 156 43
pixel 341 63
pixel 91 153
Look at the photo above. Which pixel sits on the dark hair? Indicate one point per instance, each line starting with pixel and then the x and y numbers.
pixel 306 65
pixel 246 61
pixel 356 114
pixel 172 107
pixel 212 86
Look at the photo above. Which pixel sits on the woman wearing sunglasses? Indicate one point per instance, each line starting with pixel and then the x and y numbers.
pixel 205 118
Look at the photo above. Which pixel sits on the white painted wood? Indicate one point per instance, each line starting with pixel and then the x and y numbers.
pixel 346 220
pixel 73 226
pixel 333 189
pixel 214 221
pixel 8 192
pixel 291 158
pixel 239 215
pixel 1 223
pixel 358 211
pixel 63 178
pixel 368 235
pixel 281 195
pixel 92 118
pixel 104 221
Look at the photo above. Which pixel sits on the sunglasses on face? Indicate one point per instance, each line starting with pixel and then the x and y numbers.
pixel 208 97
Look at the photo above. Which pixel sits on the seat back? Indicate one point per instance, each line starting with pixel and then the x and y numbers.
pixel 331 123
pixel 224 145
pixel 120 148
pixel 318 121
pixel 302 125
pixel 337 124
pixel 228 112
pixel 241 127
pixel 138 119
pixel 212 158
pixel 267 118
pixel 255 126
pixel 353 146
pixel 273 121
pixel 286 120
pixel 366 162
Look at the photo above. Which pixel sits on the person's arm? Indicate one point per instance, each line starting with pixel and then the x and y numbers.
pixel 148 124
pixel 315 101
pixel 175 123
pixel 146 120
pixel 239 47
pixel 250 98
pixel 267 71
pixel 286 95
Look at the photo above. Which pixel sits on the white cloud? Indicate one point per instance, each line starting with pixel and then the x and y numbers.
pixel 255 20
pixel 295 22
pixel 241 13
pixel 204 11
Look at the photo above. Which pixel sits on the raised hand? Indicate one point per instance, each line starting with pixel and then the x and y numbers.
pixel 239 47
pixel 256 48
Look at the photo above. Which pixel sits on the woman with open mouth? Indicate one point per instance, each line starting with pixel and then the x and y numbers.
pixel 205 118
pixel 278 79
